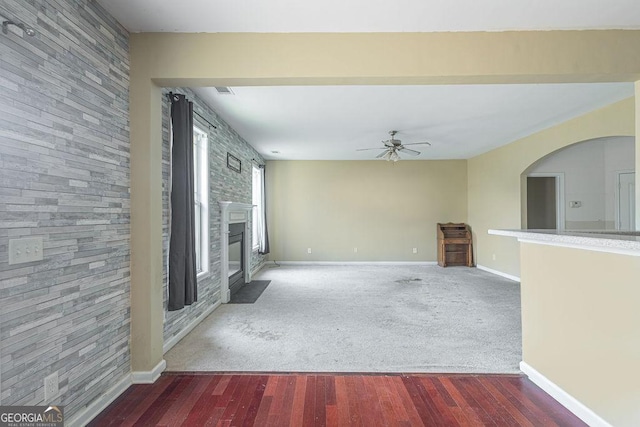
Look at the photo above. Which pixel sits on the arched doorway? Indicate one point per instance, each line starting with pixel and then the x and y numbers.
pixel 589 185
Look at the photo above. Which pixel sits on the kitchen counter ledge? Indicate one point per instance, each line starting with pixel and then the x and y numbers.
pixel 614 241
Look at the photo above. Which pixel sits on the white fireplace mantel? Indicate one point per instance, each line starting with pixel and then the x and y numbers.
pixel 233 213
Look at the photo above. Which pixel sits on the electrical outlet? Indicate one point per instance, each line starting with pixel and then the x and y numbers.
pixel 28 249
pixel 50 387
pixel 493 257
pixel 355 250
pixel 415 250
pixel 308 250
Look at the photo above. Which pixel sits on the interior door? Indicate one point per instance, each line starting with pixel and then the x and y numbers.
pixel 627 201
pixel 541 203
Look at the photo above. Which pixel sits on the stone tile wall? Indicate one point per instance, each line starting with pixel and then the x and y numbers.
pixel 64 176
pixel 224 185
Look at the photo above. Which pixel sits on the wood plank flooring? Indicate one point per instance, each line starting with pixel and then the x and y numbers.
pixel 212 399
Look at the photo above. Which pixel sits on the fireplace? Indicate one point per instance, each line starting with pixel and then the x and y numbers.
pixel 236 257
pixel 235 245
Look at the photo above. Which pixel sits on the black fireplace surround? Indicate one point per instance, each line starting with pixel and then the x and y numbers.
pixel 236 257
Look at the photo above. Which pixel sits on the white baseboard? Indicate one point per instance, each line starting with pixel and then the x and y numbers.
pixel 148 377
pixel 356 262
pixel 564 398
pixel 183 333
pixel 498 273
pixel 88 413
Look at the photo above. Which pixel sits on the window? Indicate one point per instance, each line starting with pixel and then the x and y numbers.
pixel 256 200
pixel 201 199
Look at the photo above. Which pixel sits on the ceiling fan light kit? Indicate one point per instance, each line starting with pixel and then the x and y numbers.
pixel 390 155
pixel 393 146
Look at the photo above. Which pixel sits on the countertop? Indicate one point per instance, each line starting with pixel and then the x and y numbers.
pixel 627 242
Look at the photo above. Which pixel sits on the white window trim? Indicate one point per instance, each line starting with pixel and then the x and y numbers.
pixel 255 211
pixel 203 157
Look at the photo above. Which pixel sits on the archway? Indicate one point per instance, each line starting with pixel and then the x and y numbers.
pixel 587 185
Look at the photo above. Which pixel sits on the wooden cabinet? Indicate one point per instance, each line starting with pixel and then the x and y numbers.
pixel 454 245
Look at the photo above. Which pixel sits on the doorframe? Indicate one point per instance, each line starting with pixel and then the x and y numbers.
pixel 617 195
pixel 560 198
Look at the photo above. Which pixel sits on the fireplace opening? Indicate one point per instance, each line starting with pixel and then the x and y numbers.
pixel 236 257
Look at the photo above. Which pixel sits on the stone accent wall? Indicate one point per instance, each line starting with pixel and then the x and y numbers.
pixel 224 185
pixel 64 176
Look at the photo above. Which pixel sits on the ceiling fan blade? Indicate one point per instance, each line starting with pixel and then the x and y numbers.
pixel 419 143
pixel 409 151
pixel 392 147
pixel 365 149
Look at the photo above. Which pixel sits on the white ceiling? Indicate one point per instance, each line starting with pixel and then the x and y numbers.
pixel 332 122
pixel 371 15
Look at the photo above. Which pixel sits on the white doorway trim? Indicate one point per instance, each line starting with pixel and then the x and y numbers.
pixel 560 199
pixel 617 197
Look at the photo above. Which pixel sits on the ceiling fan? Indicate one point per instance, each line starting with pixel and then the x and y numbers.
pixel 393 146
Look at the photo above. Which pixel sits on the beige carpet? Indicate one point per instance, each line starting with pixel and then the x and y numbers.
pixel 363 319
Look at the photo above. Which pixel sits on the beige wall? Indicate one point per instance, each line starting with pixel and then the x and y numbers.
pixel 637 118
pixel 181 60
pixel 383 208
pixel 580 322
pixel 190 60
pixel 495 186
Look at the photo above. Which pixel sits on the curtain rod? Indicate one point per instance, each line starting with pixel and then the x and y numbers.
pixel 170 95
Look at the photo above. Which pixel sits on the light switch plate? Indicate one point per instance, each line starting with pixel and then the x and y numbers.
pixel 28 249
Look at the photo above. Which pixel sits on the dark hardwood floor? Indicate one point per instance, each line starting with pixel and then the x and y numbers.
pixel 210 399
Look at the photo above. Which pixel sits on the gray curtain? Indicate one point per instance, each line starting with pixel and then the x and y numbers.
pixel 182 256
pixel 264 241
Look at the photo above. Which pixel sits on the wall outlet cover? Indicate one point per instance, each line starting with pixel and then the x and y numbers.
pixel 50 387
